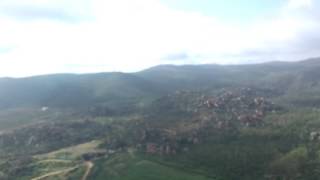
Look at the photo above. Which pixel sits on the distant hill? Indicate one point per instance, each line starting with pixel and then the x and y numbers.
pixel 70 90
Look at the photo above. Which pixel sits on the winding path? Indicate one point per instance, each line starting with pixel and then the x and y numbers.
pixel 54 173
pixel 89 165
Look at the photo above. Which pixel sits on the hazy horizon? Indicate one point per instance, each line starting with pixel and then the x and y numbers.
pixel 177 65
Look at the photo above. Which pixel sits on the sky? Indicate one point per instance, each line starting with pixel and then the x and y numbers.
pixel 86 36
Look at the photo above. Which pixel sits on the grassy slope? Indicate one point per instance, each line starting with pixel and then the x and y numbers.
pixel 126 166
pixel 67 164
pixel 62 164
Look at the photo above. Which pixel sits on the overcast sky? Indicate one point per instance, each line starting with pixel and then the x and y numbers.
pixel 79 36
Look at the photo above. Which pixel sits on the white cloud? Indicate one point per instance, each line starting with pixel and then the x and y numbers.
pixel 129 35
pixel 297 4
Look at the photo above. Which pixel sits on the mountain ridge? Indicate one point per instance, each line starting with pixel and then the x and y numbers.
pixel 100 88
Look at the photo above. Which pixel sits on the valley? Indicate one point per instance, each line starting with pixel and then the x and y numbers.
pixel 191 122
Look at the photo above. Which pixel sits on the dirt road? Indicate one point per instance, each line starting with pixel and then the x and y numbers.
pixel 54 173
pixel 89 165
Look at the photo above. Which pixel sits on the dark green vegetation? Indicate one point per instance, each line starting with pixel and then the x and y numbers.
pixel 188 122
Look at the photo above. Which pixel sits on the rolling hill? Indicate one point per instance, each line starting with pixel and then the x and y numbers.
pixel 194 122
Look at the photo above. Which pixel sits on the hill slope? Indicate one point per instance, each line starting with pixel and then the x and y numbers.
pixel 199 122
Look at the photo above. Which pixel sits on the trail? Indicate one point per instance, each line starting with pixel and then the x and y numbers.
pixel 89 166
pixel 54 173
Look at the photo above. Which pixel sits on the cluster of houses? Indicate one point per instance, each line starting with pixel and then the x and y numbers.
pixel 241 108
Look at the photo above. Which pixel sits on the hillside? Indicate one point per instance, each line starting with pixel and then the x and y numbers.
pixel 54 90
pixel 193 122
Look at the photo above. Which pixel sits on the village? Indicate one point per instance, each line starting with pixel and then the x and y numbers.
pixel 225 112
